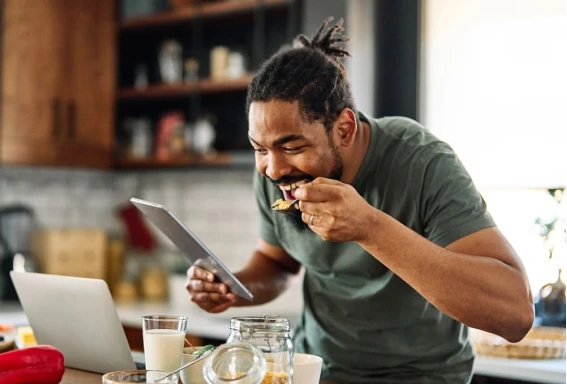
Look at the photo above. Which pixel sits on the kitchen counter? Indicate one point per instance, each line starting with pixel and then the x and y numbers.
pixel 289 306
pixel 539 371
pixel 72 376
pixel 200 323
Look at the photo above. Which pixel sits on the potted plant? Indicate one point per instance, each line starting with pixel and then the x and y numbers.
pixel 550 300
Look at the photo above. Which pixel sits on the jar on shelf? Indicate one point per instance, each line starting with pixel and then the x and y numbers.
pixel 271 334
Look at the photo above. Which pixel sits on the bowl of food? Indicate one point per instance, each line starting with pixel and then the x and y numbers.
pixel 306 368
pixel 193 374
pixel 140 377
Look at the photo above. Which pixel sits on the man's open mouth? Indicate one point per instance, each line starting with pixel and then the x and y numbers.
pixel 289 189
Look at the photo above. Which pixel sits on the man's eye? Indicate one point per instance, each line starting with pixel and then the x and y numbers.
pixel 292 149
pixel 260 150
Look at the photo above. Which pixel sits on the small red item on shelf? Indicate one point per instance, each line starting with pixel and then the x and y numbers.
pixel 139 235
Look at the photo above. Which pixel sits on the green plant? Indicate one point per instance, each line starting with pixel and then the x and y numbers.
pixel 552 228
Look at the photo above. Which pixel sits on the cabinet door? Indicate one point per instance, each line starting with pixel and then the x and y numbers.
pixel 33 75
pixel 89 110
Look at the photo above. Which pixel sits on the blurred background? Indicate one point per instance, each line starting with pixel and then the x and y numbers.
pixel 103 100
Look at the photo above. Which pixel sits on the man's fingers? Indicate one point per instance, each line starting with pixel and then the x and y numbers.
pixel 200 273
pixel 316 192
pixel 203 286
pixel 208 297
pixel 324 180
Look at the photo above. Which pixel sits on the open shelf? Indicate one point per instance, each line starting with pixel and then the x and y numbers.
pixel 217 159
pixel 187 88
pixel 207 10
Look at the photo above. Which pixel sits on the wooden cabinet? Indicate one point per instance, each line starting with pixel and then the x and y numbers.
pixel 57 82
pixel 32 81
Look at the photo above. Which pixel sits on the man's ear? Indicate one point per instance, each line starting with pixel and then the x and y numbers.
pixel 346 127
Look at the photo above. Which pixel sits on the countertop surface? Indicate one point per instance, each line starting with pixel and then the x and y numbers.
pixel 539 371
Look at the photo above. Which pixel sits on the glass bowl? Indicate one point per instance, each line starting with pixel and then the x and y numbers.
pixel 140 376
pixel 235 363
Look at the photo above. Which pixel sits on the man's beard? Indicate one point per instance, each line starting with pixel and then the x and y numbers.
pixel 336 173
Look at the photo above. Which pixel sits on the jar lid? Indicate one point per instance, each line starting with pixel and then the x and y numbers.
pixel 267 322
pixel 235 363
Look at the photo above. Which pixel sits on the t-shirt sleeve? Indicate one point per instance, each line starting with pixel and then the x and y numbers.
pixel 450 206
pixel 267 225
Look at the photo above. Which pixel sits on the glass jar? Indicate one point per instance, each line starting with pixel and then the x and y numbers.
pixel 271 335
pixel 235 363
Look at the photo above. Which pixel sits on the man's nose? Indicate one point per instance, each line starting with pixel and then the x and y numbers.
pixel 277 167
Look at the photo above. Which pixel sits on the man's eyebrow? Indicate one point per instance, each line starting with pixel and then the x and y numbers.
pixel 281 140
pixel 287 139
pixel 254 141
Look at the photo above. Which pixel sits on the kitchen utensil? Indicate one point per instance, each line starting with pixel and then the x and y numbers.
pixel 17 222
pixel 283 206
pixel 204 355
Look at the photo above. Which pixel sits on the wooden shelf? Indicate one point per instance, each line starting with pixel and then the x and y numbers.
pixel 185 89
pixel 207 10
pixel 219 159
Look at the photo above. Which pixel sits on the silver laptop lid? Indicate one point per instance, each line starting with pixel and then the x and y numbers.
pixel 77 316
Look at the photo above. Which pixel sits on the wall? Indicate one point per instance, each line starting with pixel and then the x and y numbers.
pixel 493 86
pixel 362 64
pixel 217 205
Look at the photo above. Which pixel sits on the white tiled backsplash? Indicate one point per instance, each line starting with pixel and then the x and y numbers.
pixel 216 204
pixel 219 206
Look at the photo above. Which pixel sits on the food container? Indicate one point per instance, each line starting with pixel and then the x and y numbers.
pixel 271 335
pixel 71 252
pixel 235 363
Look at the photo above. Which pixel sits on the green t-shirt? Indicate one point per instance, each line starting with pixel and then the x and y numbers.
pixel 368 324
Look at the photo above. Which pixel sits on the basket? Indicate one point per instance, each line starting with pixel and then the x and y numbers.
pixel 539 343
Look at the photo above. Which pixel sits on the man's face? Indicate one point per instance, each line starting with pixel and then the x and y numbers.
pixel 290 151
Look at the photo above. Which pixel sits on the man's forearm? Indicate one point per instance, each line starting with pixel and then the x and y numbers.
pixel 265 278
pixel 477 290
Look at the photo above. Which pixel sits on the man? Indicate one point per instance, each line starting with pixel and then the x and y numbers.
pixel 399 251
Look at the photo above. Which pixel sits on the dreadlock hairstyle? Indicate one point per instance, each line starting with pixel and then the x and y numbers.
pixel 312 75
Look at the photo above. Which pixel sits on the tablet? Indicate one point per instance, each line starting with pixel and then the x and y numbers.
pixel 191 247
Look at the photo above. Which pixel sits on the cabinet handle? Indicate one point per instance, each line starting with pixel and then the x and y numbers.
pixel 71 120
pixel 56 129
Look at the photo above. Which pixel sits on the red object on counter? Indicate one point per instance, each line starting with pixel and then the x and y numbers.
pixel 139 235
pixel 40 364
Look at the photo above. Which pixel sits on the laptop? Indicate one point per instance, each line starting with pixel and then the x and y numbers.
pixel 77 316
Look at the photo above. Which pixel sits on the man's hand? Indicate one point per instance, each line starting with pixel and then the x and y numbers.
pixel 210 296
pixel 333 210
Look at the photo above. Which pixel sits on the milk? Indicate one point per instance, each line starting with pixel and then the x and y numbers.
pixel 163 349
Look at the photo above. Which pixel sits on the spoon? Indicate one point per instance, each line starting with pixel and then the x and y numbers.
pixel 207 353
pixel 284 206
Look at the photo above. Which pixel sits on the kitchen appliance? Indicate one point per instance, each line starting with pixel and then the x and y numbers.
pixel 17 223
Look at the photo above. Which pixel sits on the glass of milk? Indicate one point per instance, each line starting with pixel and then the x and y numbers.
pixel 164 336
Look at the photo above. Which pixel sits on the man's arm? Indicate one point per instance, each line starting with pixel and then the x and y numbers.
pixel 266 275
pixel 478 279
